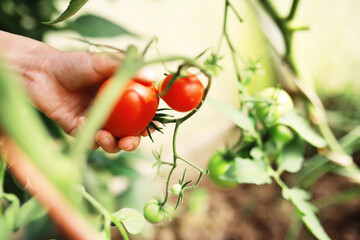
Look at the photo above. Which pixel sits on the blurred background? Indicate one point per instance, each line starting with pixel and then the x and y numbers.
pixel 328 58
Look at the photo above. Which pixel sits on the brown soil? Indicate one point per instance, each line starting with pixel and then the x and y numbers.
pixel 250 212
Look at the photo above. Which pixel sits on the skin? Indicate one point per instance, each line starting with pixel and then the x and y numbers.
pixel 63 84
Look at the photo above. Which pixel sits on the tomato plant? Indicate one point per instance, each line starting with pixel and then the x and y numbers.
pixel 153 211
pixel 184 94
pixel 134 109
pixel 218 165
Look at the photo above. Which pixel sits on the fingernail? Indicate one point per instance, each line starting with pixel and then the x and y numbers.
pixel 105 141
pixel 128 145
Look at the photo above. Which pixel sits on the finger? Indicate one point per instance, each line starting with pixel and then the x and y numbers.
pixel 95 146
pixel 80 123
pixel 129 143
pixel 107 141
pixel 77 70
pixel 145 133
pixel 146 74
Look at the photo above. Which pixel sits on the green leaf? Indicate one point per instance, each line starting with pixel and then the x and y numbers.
pixel 247 171
pixel 29 211
pixel 95 26
pixel 300 198
pixel 351 141
pixel 352 172
pixel 235 115
pixel 295 121
pixel 132 219
pixel 7 221
pixel 314 225
pixel 307 211
pixel 74 7
pixel 291 157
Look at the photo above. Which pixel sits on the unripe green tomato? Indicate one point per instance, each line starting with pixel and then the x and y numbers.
pixel 281 134
pixel 217 167
pixel 175 189
pixel 153 212
pixel 281 103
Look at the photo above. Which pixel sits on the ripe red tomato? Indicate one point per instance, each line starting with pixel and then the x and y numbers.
pixel 134 110
pixel 185 93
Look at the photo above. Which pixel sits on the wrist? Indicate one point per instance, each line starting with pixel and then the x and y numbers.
pixel 23 54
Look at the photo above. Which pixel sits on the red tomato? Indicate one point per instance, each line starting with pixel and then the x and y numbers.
pixel 185 93
pixel 134 110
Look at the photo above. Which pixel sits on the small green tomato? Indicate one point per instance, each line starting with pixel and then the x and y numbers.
pixel 277 103
pixel 153 211
pixel 218 165
pixel 281 134
pixel 176 189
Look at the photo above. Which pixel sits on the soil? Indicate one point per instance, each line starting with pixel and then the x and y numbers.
pixel 250 212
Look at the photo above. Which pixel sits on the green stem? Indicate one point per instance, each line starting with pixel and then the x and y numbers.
pixel 167 185
pixel 108 217
pixel 275 175
pixel 293 10
pixel 189 163
pixel 234 11
pixel 120 227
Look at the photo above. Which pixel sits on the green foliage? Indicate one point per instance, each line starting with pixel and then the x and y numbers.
pixel 235 115
pixel 29 212
pixel 8 220
pixel 132 219
pixel 90 25
pixel 291 157
pixel 24 17
pixel 74 7
pixel 300 199
pixel 294 120
pixel 247 171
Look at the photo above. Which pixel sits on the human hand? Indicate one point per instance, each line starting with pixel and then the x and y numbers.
pixel 63 85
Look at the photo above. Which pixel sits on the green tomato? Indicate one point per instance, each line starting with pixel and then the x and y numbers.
pixel 217 167
pixel 277 102
pixel 176 189
pixel 153 211
pixel 281 134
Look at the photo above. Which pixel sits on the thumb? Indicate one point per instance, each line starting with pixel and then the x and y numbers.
pixel 77 70
pixel 146 75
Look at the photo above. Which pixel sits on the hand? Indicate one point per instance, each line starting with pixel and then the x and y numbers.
pixel 63 84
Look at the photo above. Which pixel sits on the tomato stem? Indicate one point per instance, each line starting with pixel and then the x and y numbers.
pixel 108 217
